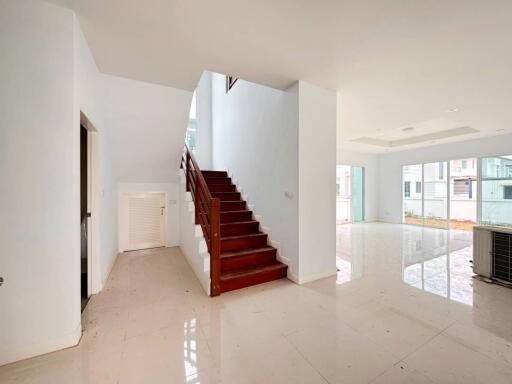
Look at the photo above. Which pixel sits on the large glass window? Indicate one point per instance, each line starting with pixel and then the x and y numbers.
pixel 191 138
pixel 413 205
pixel 446 194
pixel 496 190
pixel 435 201
pixel 463 194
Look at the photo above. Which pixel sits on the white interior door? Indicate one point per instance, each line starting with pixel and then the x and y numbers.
pixel 146 220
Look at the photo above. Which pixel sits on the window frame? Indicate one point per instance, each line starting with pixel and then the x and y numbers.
pixel 507 192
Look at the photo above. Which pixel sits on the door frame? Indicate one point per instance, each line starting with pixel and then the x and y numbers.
pixel 124 220
pixel 93 206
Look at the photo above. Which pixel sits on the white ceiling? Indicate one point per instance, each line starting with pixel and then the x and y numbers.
pixel 395 63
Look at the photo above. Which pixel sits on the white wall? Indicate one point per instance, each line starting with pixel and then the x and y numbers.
pixel 49 78
pixel 89 101
pixel 145 137
pixel 390 167
pixel 192 242
pixel 204 121
pixel 39 193
pixel 279 147
pixel 146 129
pixel 371 178
pixel 172 192
pixel 317 182
pixel 255 137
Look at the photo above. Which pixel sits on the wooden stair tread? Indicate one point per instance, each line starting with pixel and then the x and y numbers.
pixel 241 222
pixel 214 173
pixel 245 252
pixel 246 257
pixel 252 271
pixel 257 234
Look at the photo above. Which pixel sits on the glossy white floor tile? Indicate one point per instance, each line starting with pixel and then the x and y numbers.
pixel 404 308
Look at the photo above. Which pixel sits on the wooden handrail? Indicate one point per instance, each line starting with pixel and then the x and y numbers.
pixel 207 214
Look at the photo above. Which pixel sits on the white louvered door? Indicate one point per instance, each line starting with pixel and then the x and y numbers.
pixel 146 215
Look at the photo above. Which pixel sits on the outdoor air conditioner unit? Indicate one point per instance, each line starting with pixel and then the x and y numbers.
pixel 492 253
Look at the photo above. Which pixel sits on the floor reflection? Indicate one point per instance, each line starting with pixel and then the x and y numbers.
pixel 350 248
pixel 439 262
pixel 190 351
pixel 434 260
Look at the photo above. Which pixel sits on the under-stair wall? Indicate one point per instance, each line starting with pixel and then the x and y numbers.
pixel 192 241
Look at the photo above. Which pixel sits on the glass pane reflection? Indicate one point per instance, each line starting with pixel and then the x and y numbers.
pixel 439 262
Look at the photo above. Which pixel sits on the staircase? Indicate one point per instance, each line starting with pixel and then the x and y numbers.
pixel 245 257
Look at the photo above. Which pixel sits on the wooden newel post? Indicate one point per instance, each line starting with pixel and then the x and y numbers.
pixel 197 203
pixel 187 170
pixel 215 247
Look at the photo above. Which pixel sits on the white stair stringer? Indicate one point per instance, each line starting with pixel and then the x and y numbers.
pixel 192 242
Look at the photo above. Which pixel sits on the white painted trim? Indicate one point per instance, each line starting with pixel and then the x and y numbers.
pixel 90 239
pixel 12 355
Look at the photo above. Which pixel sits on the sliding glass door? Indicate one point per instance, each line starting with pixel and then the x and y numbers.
pixel 425 192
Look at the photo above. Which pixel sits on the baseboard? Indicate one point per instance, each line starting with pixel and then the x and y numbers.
pixel 103 281
pixel 12 355
pixel 292 276
pixel 315 276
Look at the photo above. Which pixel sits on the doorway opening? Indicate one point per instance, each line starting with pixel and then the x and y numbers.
pixel 84 215
pixel 349 194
